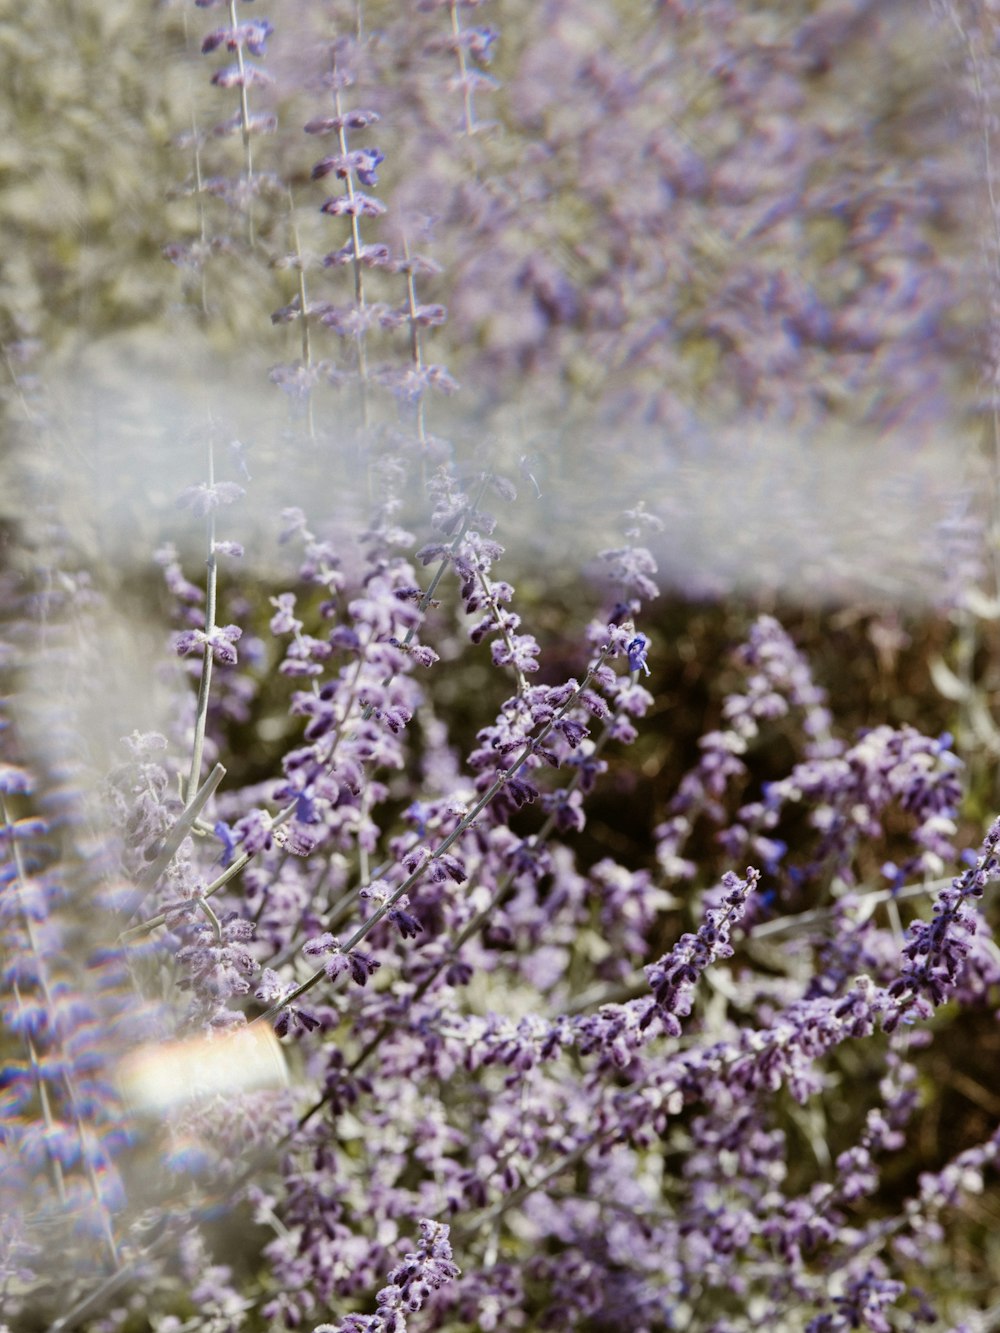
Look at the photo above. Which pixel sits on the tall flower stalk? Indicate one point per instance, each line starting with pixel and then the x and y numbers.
pixel 242 39
pixel 354 167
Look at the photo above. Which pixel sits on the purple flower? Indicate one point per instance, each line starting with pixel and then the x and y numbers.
pixel 219 963
pixel 362 966
pixel 254 831
pixel 232 549
pixel 222 641
pixel 14 780
pixel 253 35
pixel 355 119
pixel 674 976
pixel 228 839
pixel 637 650
pixel 356 205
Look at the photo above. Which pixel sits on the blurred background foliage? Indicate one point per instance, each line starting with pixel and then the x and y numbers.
pixel 732 259
pixel 647 179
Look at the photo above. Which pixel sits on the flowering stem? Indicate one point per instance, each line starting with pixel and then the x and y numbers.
pixel 416 351
pixel 469 929
pixel 205 683
pixel 185 821
pixel 359 285
pixel 216 923
pixel 445 560
pixel 463 73
pixel 68 1081
pixel 466 822
pixel 300 269
pixel 241 862
pixel 237 867
pixel 491 601
pixel 425 601
pixel 244 121
pixel 576 1155
pixel 42 1092
pixel 199 194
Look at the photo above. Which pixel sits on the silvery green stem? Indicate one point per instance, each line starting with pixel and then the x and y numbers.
pixel 244 121
pixel 185 821
pixel 205 683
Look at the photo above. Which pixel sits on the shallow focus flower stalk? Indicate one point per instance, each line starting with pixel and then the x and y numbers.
pixel 245 42
pixel 357 171
pixel 241 39
pixel 471 47
pixel 59 1169
pixel 66 998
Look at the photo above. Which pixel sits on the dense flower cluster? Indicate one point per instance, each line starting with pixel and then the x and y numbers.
pixel 410 1283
